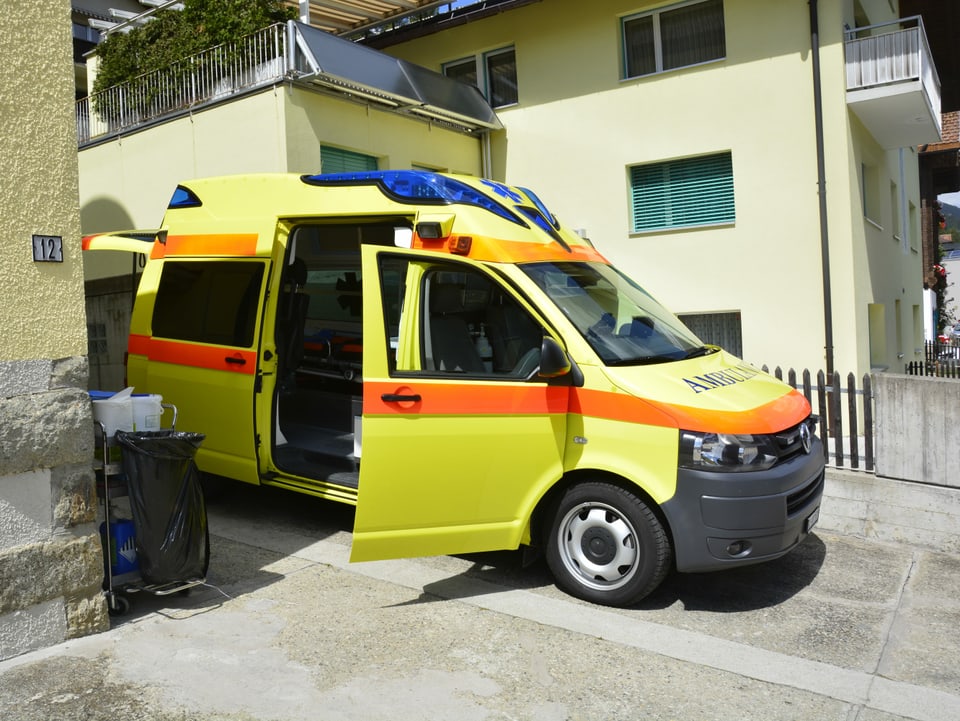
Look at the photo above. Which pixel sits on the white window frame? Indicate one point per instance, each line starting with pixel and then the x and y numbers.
pixel 481 65
pixel 658 42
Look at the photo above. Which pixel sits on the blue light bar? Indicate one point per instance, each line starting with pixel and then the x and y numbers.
pixel 418 186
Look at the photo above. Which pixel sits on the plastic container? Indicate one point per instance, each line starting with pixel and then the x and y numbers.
pixel 123 546
pixel 114 412
pixel 147 410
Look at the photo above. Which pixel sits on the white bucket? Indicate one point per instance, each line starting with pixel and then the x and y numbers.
pixel 115 412
pixel 147 410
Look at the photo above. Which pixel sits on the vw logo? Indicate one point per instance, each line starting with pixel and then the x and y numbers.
pixel 806 437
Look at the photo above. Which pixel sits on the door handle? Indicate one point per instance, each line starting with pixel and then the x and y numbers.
pixel 235 360
pixel 400 398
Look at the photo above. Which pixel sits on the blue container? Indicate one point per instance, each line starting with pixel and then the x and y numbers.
pixel 122 546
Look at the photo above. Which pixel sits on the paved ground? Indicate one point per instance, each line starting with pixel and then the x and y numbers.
pixel 842 629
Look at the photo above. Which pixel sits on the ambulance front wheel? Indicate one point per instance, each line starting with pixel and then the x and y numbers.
pixel 606 545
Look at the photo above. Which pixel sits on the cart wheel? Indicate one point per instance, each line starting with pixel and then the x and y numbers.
pixel 117 605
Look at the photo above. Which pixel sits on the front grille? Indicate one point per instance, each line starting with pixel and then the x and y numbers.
pixel 798 500
pixel 788 442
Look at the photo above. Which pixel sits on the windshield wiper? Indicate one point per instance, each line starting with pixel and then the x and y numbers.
pixel 701 351
pixel 645 360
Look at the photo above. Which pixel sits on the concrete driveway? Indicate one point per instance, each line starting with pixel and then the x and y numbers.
pixel 842 629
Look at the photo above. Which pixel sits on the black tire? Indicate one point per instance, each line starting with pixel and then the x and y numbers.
pixel 606 545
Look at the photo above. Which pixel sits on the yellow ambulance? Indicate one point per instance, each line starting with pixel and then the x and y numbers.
pixel 442 353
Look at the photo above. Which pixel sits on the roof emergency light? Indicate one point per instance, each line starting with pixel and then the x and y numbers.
pixel 421 187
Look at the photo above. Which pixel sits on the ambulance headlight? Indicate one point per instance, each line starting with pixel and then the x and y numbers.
pixel 727 451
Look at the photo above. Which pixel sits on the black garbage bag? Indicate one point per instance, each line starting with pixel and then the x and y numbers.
pixel 166 502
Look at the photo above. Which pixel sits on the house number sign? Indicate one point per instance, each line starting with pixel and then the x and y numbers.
pixel 48 248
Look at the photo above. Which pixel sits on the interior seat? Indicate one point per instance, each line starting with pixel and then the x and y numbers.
pixel 451 346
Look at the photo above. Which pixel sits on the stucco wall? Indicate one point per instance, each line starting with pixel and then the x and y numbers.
pixel 578 128
pixel 127 182
pixel 50 557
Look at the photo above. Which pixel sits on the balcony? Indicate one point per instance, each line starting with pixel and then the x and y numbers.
pixel 293 53
pixel 892 83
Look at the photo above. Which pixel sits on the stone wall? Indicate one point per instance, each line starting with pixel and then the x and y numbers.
pixel 51 563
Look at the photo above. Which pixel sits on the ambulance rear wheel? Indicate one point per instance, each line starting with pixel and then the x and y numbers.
pixel 606 545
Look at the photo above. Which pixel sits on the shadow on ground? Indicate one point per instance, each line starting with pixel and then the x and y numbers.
pixel 729 591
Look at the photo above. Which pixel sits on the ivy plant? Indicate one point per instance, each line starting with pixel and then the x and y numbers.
pixel 173 35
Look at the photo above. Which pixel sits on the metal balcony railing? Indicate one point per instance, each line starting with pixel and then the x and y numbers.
pixel 890 53
pixel 256 60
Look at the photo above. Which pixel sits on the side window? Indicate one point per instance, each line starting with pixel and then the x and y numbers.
pixel 208 301
pixel 463 323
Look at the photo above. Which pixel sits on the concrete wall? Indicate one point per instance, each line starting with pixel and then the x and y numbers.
pixel 917 423
pixel 50 556
pixel 885 509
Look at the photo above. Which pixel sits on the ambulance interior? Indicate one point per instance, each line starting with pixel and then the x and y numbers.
pixel 472 328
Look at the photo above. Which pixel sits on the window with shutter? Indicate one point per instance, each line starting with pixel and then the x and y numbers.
pixel 683 193
pixel 338 160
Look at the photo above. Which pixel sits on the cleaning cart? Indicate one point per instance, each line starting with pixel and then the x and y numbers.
pixel 155 535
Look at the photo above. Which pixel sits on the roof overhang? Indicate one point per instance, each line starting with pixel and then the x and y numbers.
pixel 347 16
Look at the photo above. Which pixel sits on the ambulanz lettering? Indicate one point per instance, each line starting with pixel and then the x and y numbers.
pixel 719 379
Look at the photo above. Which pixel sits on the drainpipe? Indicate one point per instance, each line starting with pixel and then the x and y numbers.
pixel 485 156
pixel 821 189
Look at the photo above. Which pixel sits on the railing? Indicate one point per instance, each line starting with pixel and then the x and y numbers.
pixel 841 448
pixel 941 360
pixel 875 57
pixel 258 59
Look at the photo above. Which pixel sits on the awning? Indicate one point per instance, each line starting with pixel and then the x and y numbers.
pixel 344 16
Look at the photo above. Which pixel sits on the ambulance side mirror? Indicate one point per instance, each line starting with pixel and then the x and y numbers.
pixel 553 360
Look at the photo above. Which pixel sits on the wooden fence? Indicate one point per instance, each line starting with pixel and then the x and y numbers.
pixel 940 359
pixel 845 415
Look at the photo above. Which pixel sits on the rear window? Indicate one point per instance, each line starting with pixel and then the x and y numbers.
pixel 208 301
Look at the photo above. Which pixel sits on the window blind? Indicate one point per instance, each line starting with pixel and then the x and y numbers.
pixel 683 193
pixel 337 160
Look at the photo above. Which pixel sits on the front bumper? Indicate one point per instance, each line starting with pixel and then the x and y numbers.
pixel 727 519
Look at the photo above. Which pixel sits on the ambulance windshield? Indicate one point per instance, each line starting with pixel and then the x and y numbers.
pixel 622 323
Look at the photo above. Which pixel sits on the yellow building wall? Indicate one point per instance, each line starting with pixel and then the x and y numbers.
pixel 578 128
pixel 397 141
pixel 41 304
pixel 127 182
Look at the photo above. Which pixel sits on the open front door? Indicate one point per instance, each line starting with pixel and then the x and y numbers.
pixel 460 434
